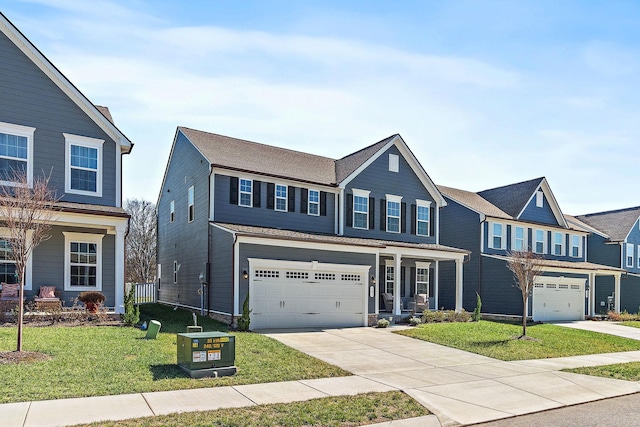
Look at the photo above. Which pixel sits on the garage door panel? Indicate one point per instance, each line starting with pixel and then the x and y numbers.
pixel 558 301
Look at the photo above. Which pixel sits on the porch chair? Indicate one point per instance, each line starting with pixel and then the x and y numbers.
pixel 422 303
pixel 47 299
pixel 387 298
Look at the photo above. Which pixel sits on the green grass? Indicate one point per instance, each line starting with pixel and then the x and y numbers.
pixel 340 411
pixel 94 361
pixel 633 324
pixel 496 340
pixel 620 371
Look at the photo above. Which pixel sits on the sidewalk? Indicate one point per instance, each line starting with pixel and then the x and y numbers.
pixel 458 387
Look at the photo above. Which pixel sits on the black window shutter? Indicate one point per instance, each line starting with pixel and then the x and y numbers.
pixel 402 281
pixel 432 221
pixel 233 191
pixel 271 189
pixel 291 195
pixel 372 213
pixel 257 187
pixel 403 217
pixel 412 281
pixel 413 219
pixel 304 196
pixel 349 210
pixel 323 203
pixel 383 214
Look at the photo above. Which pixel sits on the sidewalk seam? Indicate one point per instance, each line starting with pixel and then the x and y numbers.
pixel 24 422
pixel 148 405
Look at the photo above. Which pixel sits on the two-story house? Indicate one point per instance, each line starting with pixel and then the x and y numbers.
pixel 615 241
pixel 312 241
pixel 516 217
pixel 48 127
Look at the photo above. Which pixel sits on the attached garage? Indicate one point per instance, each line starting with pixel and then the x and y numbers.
pixel 558 298
pixel 291 294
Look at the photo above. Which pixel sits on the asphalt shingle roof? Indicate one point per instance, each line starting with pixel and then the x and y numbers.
pixel 616 224
pixel 570 265
pixel 473 201
pixel 348 164
pixel 512 198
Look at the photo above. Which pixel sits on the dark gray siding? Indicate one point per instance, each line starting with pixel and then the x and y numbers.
pixel 460 228
pixel 600 253
pixel 221 271
pixel 282 253
pixel 634 239
pixel 380 181
pixel 48 264
pixel 629 293
pixel 543 215
pixel 226 212
pixel 29 98
pixel 499 294
pixel 181 241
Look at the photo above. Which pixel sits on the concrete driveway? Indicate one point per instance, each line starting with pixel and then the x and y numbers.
pixel 459 387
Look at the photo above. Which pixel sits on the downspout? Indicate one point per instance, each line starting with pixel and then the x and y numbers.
pixel 208 266
pixel 233 275
pixel 483 219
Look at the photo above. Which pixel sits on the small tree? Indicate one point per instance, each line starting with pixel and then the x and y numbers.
pixel 141 241
pixel 131 310
pixel 526 267
pixel 27 211
pixel 245 320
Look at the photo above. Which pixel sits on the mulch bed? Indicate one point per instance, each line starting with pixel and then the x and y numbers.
pixel 15 357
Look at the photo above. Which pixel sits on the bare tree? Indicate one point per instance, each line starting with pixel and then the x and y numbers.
pixel 27 211
pixel 141 241
pixel 526 267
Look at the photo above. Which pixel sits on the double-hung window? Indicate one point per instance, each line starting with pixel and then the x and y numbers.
pixel 422 278
pixel 540 242
pixel 422 218
pixel 519 242
pixel 83 261
pixel 16 152
pixel 246 193
pixel 172 211
pixel 558 243
pixel 393 213
pixel 576 246
pixel 360 209
pixel 281 198
pixel 497 235
pixel 389 278
pixel 7 264
pixel 83 169
pixel 313 206
pixel 191 211
pixel 630 247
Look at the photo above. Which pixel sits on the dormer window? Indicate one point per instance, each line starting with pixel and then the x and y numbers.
pixel 539 198
pixel 394 163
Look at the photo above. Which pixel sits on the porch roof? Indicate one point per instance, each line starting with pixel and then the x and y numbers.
pixel 554 265
pixel 265 232
pixel 86 208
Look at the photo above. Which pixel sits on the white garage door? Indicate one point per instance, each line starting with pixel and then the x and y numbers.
pixel 558 299
pixel 307 298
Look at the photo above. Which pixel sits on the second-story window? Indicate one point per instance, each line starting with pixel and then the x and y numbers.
pixel 313 207
pixel 16 146
pixel 497 235
pixel 558 244
pixel 192 212
pixel 576 244
pixel 83 173
pixel 638 256
pixel 393 214
pixel 172 211
pixel 519 243
pixel 422 218
pixel 539 246
pixel 629 254
pixel 360 211
pixel 281 198
pixel 246 193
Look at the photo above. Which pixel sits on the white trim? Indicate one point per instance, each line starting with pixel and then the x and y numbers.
pixel 172 211
pixel 638 255
pixel 118 155
pixel 309 190
pixel 276 197
pixel 191 194
pixel 83 141
pixel 571 236
pixel 212 190
pixel 240 193
pixel 364 194
pixel 236 276
pixel 82 238
pixel 563 237
pixel 28 282
pixel 119 273
pixel 534 243
pixel 423 204
pixel 394 162
pixel 503 235
pixel 553 203
pixel 391 198
pixel 626 255
pixel 26 132
pixel 339 209
pixel 632 227
pixel 539 199
pixel 525 237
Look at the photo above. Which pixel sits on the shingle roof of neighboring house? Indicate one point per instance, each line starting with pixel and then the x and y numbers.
pixel 570 265
pixel 238 154
pixel 91 209
pixel 512 198
pixel 348 164
pixel 266 232
pixel 616 224
pixel 473 201
pixel 575 224
pixel 105 112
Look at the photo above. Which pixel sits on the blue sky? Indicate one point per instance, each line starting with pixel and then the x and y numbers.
pixel 485 93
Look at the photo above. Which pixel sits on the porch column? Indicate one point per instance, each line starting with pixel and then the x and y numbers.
pixel 459 266
pixel 592 294
pixel 397 299
pixel 119 270
pixel 616 297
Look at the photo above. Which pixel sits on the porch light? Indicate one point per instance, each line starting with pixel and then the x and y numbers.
pixel 245 275
pixel 373 280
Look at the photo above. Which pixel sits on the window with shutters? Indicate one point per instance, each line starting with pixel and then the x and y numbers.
pixel 246 193
pixel 281 198
pixel 393 213
pixel 629 254
pixel 576 246
pixel 360 209
pixel 422 217
pixel 518 238
pixel 313 203
pixel 540 242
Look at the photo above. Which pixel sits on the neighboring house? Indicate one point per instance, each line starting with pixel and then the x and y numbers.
pixel 313 241
pixel 47 126
pixel 615 241
pixel 520 216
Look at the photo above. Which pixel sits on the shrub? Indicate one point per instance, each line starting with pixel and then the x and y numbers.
pixel 624 316
pixel 415 321
pixel 476 316
pixel 131 311
pixel 92 296
pixel 445 316
pixel 382 323
pixel 245 319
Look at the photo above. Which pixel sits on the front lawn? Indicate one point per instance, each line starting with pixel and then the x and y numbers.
pixel 632 323
pixel 620 371
pixel 496 339
pixel 104 360
pixel 342 411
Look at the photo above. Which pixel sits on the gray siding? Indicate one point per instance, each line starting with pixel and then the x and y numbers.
pixel 633 238
pixel 601 253
pixel 30 98
pixel 226 212
pixel 380 181
pixel 543 215
pixel 221 271
pixel 181 241
pixel 282 253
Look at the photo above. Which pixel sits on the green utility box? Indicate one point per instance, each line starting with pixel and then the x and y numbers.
pixel 207 354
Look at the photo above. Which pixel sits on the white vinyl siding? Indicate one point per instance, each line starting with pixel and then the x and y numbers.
pixel 313 207
pixel 393 213
pixel 246 193
pixel 281 198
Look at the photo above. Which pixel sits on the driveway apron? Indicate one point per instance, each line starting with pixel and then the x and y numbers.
pixel 457 386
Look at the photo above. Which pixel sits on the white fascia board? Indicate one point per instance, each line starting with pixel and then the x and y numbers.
pixel 567 270
pixel 166 167
pixel 297 244
pixel 422 253
pixel 63 83
pixel 89 221
pixel 308 265
pixel 373 158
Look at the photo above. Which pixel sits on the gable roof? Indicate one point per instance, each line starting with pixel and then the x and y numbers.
pixel 50 70
pixel 512 198
pixel 350 163
pixel 575 224
pixel 473 201
pixel 616 224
